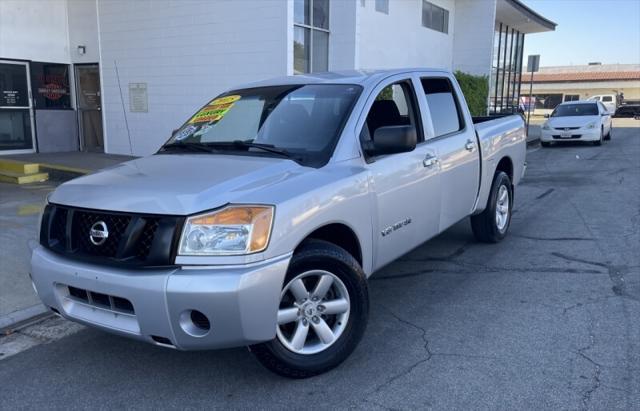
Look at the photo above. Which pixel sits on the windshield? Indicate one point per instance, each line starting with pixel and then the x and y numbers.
pixel 302 122
pixel 570 110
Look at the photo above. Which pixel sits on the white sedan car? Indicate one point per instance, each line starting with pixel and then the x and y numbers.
pixel 577 121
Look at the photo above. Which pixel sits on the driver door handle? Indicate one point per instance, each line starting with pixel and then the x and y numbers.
pixel 430 160
pixel 470 145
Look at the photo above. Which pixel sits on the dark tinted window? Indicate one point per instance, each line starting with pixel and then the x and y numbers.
pixel 607 99
pixel 50 85
pixel 444 108
pixel 569 110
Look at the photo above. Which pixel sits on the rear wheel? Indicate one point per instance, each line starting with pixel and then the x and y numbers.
pixel 323 312
pixel 608 136
pixel 492 224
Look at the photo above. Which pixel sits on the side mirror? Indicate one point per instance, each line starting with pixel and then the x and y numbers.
pixel 546 116
pixel 394 139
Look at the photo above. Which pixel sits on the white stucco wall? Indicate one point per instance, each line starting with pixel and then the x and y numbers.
pixel 34 30
pixel 398 39
pixel 83 30
pixel 343 23
pixel 187 52
pixel 473 37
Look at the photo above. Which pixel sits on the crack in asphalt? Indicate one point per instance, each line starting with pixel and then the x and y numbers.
pixel 530 237
pixel 476 268
pixel 409 369
pixel 587 394
pixel 615 273
pixel 546 193
pixel 428 353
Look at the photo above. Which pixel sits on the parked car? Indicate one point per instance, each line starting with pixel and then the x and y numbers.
pixel 610 101
pixel 260 220
pixel 628 110
pixel 577 121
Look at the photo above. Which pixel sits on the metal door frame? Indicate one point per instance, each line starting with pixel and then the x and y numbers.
pixel 76 86
pixel 33 148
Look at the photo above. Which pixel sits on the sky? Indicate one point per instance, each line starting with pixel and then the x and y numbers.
pixel 607 31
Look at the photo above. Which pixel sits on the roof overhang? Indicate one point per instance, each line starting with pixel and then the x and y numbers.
pixel 520 17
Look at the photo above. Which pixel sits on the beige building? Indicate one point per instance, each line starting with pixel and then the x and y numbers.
pixel 554 85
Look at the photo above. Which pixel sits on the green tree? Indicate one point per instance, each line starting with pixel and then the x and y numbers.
pixel 475 90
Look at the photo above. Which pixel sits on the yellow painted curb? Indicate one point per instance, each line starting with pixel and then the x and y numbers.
pixel 29 209
pixel 21 167
pixel 65 168
pixel 17 178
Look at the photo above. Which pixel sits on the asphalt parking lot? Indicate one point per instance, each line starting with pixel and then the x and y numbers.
pixel 547 319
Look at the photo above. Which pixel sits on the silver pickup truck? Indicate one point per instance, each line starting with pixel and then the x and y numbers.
pixel 259 221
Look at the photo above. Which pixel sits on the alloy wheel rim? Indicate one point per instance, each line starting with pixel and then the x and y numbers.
pixel 502 208
pixel 313 313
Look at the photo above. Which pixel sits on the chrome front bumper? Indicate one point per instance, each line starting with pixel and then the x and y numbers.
pixel 239 302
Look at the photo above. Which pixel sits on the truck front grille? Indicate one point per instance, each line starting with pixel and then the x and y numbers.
pixel 131 239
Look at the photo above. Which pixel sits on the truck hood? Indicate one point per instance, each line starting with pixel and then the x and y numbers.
pixel 572 121
pixel 176 184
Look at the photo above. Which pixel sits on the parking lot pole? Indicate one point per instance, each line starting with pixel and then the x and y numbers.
pixel 533 65
pixel 529 104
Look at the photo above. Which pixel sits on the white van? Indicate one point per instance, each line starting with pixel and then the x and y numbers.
pixel 609 100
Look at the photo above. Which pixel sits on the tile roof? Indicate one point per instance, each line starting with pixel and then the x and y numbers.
pixel 581 76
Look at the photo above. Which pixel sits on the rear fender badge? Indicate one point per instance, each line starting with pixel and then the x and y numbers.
pixel 394 227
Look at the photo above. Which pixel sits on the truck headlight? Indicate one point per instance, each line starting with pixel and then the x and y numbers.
pixel 234 230
pixel 591 125
pixel 546 126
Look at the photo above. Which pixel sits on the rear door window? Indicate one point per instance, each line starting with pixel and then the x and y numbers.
pixel 607 99
pixel 444 106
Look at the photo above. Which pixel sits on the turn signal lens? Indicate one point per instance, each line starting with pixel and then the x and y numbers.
pixel 234 230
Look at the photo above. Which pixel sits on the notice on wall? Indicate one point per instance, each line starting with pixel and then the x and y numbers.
pixel 138 99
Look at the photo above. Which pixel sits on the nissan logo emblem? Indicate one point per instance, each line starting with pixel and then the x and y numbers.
pixel 98 233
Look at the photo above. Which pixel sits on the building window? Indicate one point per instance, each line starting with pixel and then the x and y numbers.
pixel 310 36
pixel 434 17
pixel 571 97
pixel 506 70
pixel 382 6
pixel 50 85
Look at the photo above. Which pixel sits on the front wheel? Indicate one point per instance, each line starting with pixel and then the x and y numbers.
pixel 323 312
pixel 492 224
pixel 599 142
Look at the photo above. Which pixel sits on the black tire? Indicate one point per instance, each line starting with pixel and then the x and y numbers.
pixel 608 136
pixel 484 225
pixel 545 143
pixel 314 255
pixel 599 142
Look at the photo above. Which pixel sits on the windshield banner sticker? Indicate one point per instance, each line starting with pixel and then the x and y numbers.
pixel 215 110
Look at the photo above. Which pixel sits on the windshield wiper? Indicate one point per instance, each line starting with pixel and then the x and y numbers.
pixel 250 144
pixel 189 146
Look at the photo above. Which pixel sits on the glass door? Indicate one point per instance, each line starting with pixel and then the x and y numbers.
pixel 16 111
pixel 89 107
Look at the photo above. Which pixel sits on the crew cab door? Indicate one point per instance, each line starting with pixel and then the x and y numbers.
pixel 452 137
pixel 405 187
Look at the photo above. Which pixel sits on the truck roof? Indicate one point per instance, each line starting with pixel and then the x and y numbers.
pixel 362 77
